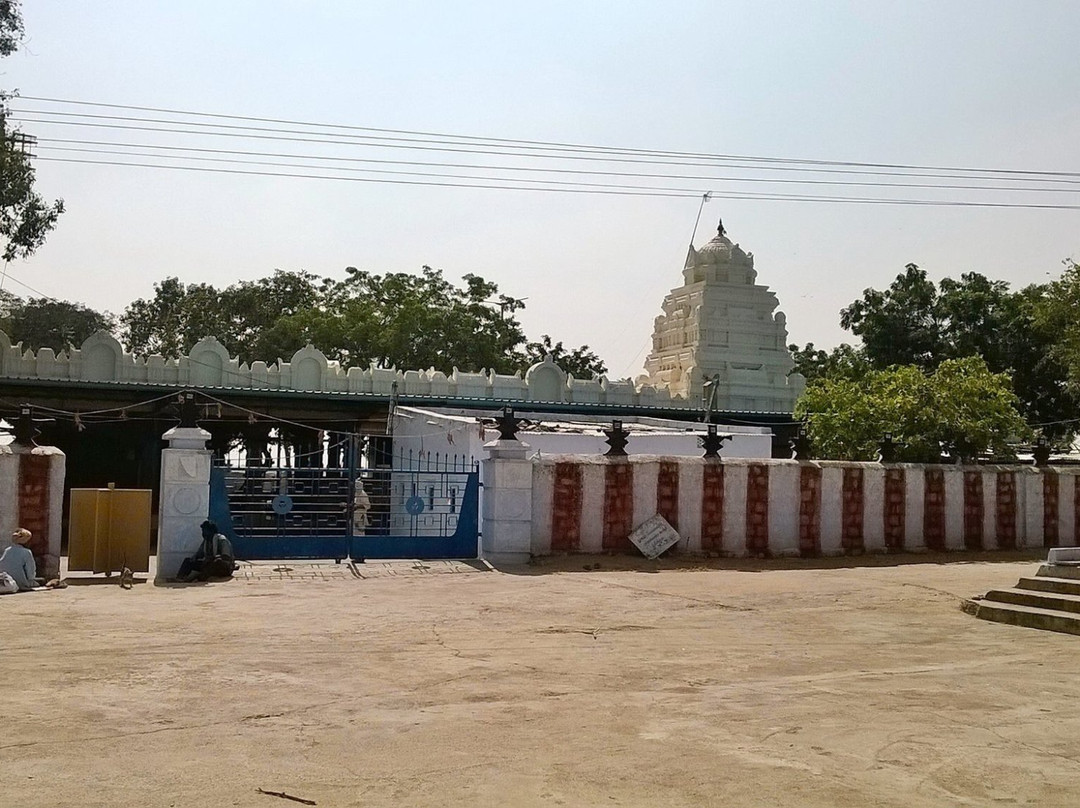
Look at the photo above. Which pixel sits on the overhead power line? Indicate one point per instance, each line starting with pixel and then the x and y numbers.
pixel 126 149
pixel 549 144
pixel 343 153
pixel 490 185
pixel 286 135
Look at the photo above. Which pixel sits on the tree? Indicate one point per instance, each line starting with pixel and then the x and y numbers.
pixel 842 361
pixel 56 324
pixel 397 319
pixel 25 217
pixel 899 326
pixel 581 363
pixel 961 408
pixel 408 321
pixel 1055 312
pixel 239 316
pixel 915 322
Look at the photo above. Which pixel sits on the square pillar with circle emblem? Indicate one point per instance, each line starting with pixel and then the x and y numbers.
pixel 184 499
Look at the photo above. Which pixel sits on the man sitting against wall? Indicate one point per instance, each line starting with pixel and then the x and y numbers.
pixel 18 570
pixel 213 559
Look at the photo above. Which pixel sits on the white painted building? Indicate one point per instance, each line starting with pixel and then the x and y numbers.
pixel 722 327
pixel 448 439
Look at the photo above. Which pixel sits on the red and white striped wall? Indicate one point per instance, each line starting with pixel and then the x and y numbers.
pixel 791 508
pixel 32 496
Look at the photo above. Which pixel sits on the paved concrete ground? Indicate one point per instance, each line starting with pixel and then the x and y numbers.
pixel 770 685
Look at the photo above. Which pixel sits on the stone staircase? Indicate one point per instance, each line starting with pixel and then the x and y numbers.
pixel 1050 600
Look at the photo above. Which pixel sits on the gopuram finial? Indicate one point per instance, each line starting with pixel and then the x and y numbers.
pixel 720 231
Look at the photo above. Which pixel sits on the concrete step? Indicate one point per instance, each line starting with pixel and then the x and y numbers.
pixel 1059 571
pixel 1031 617
pixel 1062 586
pixel 1038 600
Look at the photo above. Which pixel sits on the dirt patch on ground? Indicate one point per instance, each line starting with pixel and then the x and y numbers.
pixel 643 685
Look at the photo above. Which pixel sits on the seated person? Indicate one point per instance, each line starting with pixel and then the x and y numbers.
pixel 213 559
pixel 18 562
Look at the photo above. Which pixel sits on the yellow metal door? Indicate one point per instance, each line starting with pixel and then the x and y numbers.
pixel 109 529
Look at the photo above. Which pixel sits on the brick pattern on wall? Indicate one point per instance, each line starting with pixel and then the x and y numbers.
pixel 1005 522
pixel 667 493
pixel 566 509
pixel 712 507
pixel 895 510
pixel 851 515
pixel 1050 509
pixel 934 511
pixel 757 509
pixel 618 505
pixel 973 510
pixel 33 493
pixel 809 511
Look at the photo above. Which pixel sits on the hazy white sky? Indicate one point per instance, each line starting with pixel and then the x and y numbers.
pixel 977 84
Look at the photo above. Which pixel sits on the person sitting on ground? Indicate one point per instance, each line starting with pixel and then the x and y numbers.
pixel 17 562
pixel 213 559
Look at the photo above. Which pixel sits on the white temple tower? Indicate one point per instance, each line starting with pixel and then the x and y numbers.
pixel 722 328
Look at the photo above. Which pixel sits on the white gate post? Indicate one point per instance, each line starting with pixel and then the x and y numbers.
pixel 184 500
pixel 507 523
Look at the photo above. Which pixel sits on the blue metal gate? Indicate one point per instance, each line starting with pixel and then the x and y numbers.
pixel 290 513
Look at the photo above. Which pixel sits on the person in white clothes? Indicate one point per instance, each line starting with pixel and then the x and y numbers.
pixel 17 564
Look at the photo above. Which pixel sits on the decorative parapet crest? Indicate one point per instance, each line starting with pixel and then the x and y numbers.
pixel 101 358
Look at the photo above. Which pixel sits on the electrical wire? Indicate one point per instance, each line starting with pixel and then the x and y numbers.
pixel 742 195
pixel 126 149
pixel 1001 174
pixel 538 143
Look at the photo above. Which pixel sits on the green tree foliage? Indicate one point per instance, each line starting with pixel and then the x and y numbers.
pixel 581 363
pixel 899 326
pixel 240 315
pixel 44 323
pixel 25 217
pixel 397 319
pixel 842 361
pixel 920 323
pixel 1058 312
pixel 961 408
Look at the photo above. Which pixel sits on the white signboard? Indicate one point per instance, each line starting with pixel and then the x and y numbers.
pixel 653 536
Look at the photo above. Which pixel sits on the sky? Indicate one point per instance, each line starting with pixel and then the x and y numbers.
pixel 954 84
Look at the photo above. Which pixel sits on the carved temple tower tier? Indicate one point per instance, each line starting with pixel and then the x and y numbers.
pixel 721 329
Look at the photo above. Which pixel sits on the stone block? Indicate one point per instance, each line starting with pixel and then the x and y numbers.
pixel 507 503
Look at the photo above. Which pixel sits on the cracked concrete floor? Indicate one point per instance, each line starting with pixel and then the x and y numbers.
pixel 641 686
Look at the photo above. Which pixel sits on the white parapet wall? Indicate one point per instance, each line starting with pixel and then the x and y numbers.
pixel 751 507
pixel 101 358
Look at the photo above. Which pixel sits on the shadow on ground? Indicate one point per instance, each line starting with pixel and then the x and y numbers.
pixel 627 563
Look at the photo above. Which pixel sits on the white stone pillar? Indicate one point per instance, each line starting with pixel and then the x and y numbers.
pixel 914 507
pixel 784 499
pixel 954 507
pixel 184 501
pixel 873 508
pixel 691 473
pixel 507 508
pixel 592 507
pixel 735 481
pixel 1031 480
pixel 832 509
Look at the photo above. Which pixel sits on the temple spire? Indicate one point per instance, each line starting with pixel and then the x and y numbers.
pixel 720 231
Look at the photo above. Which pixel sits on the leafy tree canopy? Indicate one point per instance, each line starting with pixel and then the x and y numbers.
pixel 961 408
pixel 1056 312
pixel 44 323
pixel 25 217
pixel 581 363
pixel 397 319
pixel 920 323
